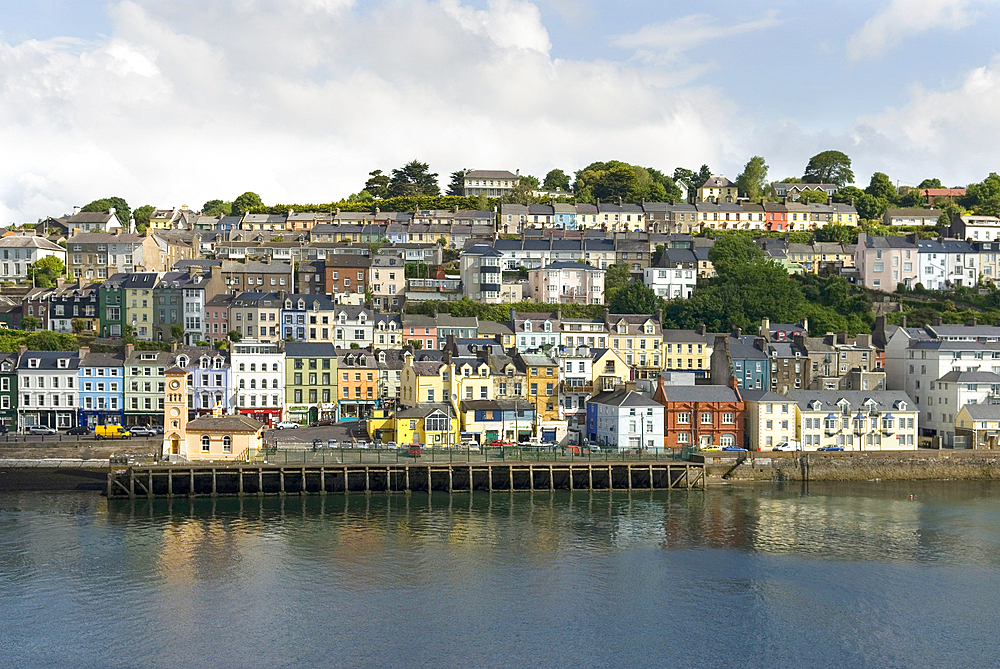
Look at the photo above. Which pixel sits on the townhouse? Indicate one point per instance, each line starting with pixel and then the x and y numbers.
pixel 256 316
pixel 675 275
pixel 311 382
pixel 307 317
pixel 19 252
pixel 258 380
pixel 625 420
pixel 99 255
pixel 567 283
pixel 357 382
pixel 855 420
pixel 886 262
pixel 8 390
pixel 701 416
pixel 945 263
pixel 101 388
pixel 47 382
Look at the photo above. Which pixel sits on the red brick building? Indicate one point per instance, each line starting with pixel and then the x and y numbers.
pixel 701 415
pixel 346 274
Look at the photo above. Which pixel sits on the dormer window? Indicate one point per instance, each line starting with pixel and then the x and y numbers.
pixel 6 366
pixel 361 318
pixel 381 356
pixel 218 363
pixel 362 360
pixel 33 363
pixel 288 304
pixel 182 361
pixel 204 361
pixel 343 319
pixel 302 304
pixel 62 363
pixel 548 326
pixel 527 326
pixel 622 328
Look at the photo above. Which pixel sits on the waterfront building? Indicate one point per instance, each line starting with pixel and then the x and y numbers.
pixel 855 420
pixel 208 379
pixel 258 380
pixel 144 382
pixel 310 382
pixel 625 420
pixel 357 383
pixel 101 386
pixel 978 426
pixel 8 390
pixel 486 421
pixel 430 424
pixel 702 416
pixel 47 382
pixel 770 419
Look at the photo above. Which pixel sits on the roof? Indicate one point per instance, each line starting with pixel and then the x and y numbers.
pixel 970 377
pixel 571 265
pixel 490 174
pixel 426 409
pixel 103 360
pixel 105 238
pixel 224 424
pixel 309 350
pixel 983 411
pixel 624 398
pixel 913 211
pixel 22 241
pixel 717 182
pixel 701 394
pixel 504 405
pixel 884 399
pixel 762 396
pixel 48 360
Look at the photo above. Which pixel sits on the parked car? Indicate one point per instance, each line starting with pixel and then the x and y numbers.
pixel 141 431
pixel 41 429
pixel 391 446
pixel 711 447
pixel 158 429
pixel 79 429
pixel 361 443
pixel 332 443
pixel 734 448
pixel 111 432
pixel 286 425
pixel 830 448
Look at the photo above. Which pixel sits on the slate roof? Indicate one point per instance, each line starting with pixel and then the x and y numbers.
pixel 624 398
pixel 885 400
pixel 224 424
pixel 701 394
pixel 970 377
pixel 309 350
pixel 983 411
pixel 426 409
pixel 48 361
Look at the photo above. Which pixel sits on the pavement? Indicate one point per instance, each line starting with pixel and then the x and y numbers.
pixel 345 433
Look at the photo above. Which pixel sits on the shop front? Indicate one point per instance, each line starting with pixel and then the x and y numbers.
pixel 300 413
pixel 61 420
pixel 269 417
pixel 94 417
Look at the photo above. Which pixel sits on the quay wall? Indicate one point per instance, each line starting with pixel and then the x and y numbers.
pixel 857 466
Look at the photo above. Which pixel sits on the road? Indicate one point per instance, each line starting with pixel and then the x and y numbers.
pixel 345 433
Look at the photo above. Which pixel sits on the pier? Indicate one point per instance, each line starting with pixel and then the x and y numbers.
pixel 244 479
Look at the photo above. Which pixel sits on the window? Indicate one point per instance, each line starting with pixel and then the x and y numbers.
pixel 706 418
pixel 206 443
pixel 684 418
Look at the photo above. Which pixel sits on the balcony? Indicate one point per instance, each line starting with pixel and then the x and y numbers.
pixel 566 387
pixel 435 285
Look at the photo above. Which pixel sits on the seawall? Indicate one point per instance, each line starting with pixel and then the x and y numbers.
pixel 924 464
pixel 53 474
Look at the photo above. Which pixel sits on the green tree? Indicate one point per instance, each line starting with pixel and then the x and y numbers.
pixel 635 298
pixel 813 195
pixel 234 336
pixel 414 178
pixel 835 232
pixel 881 186
pixel 685 178
pixel 930 183
pixel 245 203
pixel 46 270
pixel 730 252
pixel 829 167
pixel 616 277
pixel 531 181
pixel 457 184
pixel 556 180
pixel 78 325
pixel 122 211
pixel 871 207
pixel 704 174
pixel 217 208
pixel 177 331
pixel 377 184
pixel 753 179
pixel 984 197
pixel 46 340
pixel 141 217
pixel 30 323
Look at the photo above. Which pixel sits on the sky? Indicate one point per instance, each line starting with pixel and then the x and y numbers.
pixel 173 102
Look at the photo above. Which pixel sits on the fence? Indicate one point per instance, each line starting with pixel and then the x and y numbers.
pixel 293 454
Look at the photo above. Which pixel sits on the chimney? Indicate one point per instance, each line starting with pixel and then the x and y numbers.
pixel 702 330
pixel 446 356
pixel 971 322
pixel 513 314
pixel 842 336
pixel 607 316
pixel 936 321
pixel 737 332
pixel 799 339
pixel 129 349
pixel 659 317
pixel 805 324
pixel 84 352
pixel 22 349
pixel 173 347
pixel 76 210
pixel 765 328
pixel 902 321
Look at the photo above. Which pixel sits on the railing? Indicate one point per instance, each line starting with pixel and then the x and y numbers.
pixel 435 284
pixel 308 455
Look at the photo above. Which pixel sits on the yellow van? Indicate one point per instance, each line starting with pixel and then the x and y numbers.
pixel 111 432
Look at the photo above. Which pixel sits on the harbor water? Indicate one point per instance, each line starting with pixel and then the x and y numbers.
pixel 855 575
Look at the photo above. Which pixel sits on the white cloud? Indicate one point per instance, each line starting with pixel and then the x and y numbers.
pixel 192 100
pixel 903 19
pixel 665 42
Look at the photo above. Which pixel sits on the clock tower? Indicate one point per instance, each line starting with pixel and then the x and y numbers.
pixel 175 414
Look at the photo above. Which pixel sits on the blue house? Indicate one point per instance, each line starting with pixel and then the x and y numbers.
pixel 751 366
pixel 299 312
pixel 102 389
pixel 209 374
pixel 486 421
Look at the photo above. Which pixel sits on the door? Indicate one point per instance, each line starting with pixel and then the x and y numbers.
pixel 548 435
pixel 175 446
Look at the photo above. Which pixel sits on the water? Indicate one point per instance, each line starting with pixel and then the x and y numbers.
pixel 853 575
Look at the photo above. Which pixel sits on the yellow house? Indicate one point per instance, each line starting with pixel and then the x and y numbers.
pixel 718 189
pixel 978 426
pixel 542 379
pixel 424 381
pixel 609 371
pixel 430 424
pixel 162 219
pixel 471 380
pixel 686 351
pixel 214 437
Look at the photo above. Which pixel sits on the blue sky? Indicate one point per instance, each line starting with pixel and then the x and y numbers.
pixel 171 102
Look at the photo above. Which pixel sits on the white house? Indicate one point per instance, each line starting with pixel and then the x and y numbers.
pixel 353 325
pixel 675 275
pixel 626 420
pixel 258 386
pixel 880 420
pixel 47 383
pixel 19 252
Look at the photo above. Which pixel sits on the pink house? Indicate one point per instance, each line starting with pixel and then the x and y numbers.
pixel 885 262
pixel 567 283
pixel 423 329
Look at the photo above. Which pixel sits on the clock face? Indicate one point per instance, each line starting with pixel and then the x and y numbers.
pixel 175 412
pixel 175 384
